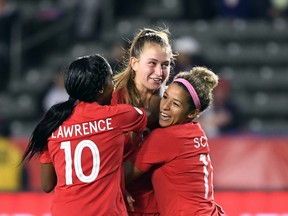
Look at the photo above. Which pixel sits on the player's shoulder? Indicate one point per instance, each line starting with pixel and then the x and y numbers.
pixel 118 96
pixel 173 131
pixel 121 91
pixel 165 132
pixel 122 108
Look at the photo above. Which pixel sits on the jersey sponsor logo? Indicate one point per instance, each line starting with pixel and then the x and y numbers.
pixel 83 129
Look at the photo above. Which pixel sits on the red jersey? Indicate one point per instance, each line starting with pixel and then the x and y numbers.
pixel 183 178
pixel 141 189
pixel 131 145
pixel 87 153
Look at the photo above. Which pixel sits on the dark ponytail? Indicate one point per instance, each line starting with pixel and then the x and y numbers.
pixel 83 80
pixel 54 117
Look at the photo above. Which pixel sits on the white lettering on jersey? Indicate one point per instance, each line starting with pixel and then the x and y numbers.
pixel 85 128
pixel 200 142
pixel 77 168
pixel 204 159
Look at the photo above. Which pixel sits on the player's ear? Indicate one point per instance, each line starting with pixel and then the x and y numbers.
pixel 194 114
pixel 134 63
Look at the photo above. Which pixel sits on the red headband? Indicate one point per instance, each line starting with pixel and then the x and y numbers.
pixel 191 90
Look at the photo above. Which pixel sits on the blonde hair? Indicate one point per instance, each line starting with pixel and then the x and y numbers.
pixel 203 81
pixel 126 77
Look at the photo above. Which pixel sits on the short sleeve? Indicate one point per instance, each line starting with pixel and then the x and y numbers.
pixel 131 118
pixel 45 156
pixel 159 148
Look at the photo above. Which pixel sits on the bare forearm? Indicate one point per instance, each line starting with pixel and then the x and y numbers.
pixel 131 172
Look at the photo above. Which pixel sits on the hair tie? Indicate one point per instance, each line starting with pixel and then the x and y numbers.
pixel 191 90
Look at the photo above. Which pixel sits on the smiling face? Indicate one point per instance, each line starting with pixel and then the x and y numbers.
pixel 174 107
pixel 152 67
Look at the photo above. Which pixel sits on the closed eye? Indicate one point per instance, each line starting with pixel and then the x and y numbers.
pixel 176 104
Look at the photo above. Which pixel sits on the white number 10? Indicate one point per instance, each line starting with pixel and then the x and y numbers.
pixel 77 161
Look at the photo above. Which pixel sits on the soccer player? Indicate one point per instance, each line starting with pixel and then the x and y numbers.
pixel 179 150
pixel 141 84
pixel 81 143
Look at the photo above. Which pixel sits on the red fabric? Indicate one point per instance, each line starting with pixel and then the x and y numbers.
pixel 141 189
pixel 253 203
pixel 250 162
pixel 265 156
pixel 25 203
pixel 92 152
pixel 249 203
pixel 183 178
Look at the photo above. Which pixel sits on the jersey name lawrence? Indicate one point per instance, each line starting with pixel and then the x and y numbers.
pixel 83 129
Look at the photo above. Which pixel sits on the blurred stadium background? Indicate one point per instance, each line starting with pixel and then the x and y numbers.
pixel 244 41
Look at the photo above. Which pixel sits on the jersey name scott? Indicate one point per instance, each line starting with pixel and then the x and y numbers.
pixel 200 142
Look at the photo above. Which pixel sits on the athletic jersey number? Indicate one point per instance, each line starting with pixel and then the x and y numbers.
pixel 205 159
pixel 77 161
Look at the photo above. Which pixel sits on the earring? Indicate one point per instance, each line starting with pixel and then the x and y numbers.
pixel 101 91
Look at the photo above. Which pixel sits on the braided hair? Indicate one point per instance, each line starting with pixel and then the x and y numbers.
pixel 83 79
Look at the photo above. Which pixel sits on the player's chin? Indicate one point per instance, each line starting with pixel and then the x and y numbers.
pixel 164 123
pixel 155 85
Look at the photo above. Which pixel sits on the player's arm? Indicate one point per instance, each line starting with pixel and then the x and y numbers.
pixel 131 118
pixel 48 177
pixel 153 111
pixel 131 171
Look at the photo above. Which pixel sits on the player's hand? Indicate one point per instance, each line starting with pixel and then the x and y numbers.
pixel 129 201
